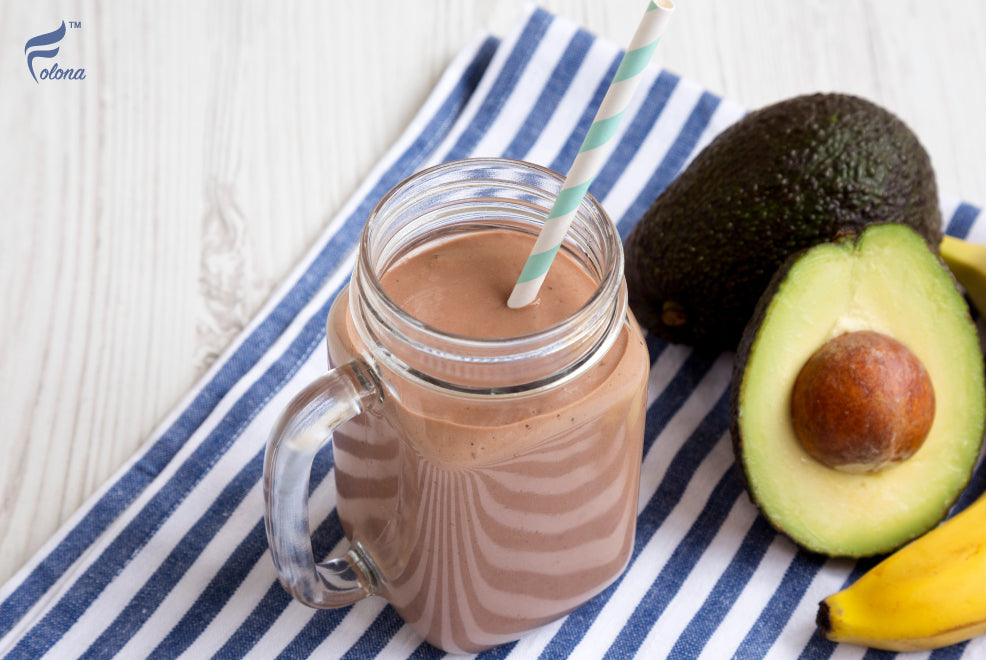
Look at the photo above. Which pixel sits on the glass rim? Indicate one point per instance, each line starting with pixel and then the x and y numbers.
pixel 481 351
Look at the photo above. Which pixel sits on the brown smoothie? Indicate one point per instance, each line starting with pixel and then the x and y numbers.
pixel 489 516
pixel 461 286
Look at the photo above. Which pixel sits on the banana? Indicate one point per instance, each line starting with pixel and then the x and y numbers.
pixel 967 261
pixel 930 593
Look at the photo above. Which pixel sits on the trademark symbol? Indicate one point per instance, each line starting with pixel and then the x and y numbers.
pixel 74 24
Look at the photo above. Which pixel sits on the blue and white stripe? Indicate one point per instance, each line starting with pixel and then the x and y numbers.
pixel 170 558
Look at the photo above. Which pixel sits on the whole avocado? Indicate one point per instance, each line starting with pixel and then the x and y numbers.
pixel 781 179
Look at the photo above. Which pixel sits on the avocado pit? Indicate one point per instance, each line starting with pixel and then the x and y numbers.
pixel 862 402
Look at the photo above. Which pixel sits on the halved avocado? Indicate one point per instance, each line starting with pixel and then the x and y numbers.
pixel 887 281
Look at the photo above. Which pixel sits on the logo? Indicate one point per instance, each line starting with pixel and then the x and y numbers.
pixel 46 45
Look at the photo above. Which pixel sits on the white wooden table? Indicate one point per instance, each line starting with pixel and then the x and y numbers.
pixel 149 209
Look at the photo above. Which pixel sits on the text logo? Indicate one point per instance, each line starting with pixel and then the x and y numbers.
pixel 46 45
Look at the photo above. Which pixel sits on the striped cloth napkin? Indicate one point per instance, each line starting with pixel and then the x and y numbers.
pixel 170 558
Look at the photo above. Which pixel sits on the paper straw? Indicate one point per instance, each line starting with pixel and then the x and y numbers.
pixel 595 148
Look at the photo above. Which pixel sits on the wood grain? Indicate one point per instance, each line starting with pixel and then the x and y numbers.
pixel 150 209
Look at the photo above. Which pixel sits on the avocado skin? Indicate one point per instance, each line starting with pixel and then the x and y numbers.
pixel 781 179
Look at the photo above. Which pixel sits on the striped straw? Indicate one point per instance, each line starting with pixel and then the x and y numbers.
pixel 595 148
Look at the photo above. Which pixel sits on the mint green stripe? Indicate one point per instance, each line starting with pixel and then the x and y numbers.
pixel 651 6
pixel 537 265
pixel 568 200
pixel 634 62
pixel 601 131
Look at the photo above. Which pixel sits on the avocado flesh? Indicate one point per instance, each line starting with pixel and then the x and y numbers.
pixel 889 281
pixel 781 179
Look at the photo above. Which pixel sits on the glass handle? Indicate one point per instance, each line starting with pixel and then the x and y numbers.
pixel 303 428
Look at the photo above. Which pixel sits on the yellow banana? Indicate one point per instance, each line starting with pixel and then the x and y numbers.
pixel 967 261
pixel 929 594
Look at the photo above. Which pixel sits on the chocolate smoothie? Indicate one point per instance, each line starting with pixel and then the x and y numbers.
pixel 487 516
